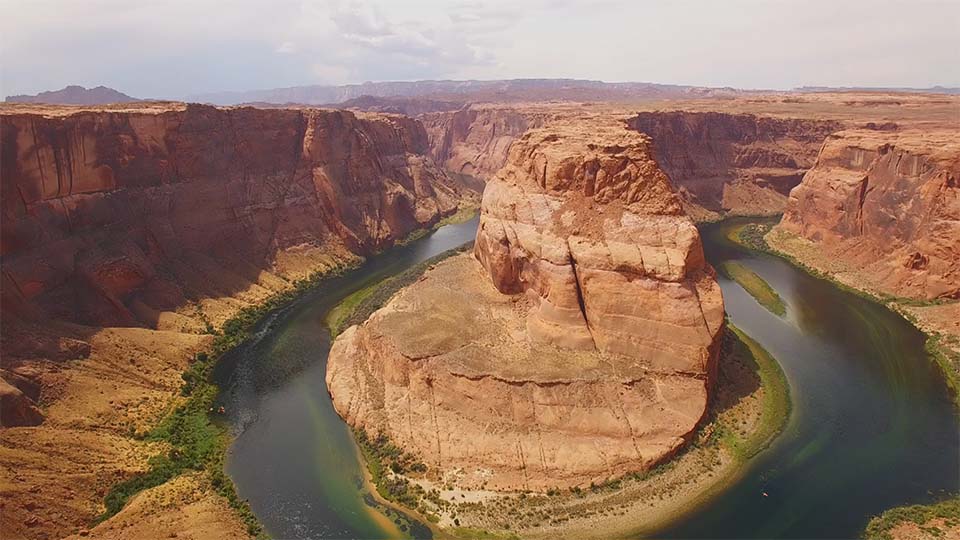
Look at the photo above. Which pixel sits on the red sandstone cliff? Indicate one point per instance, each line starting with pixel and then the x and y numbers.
pixel 474 140
pixel 886 204
pixel 740 163
pixel 125 231
pixel 109 218
pixel 582 345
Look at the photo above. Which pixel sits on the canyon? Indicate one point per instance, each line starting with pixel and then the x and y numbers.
pixel 583 337
pixel 577 343
pixel 131 233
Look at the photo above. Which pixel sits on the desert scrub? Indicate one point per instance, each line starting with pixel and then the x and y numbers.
pixel 357 307
pixel 752 236
pixel 196 440
pixel 948 510
pixel 756 286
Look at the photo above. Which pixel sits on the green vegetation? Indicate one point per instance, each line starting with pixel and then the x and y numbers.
pixel 948 510
pixel 739 348
pixel 947 360
pixel 469 533
pixel 756 286
pixel 464 214
pixel 387 464
pixel 751 235
pixel 357 307
pixel 197 442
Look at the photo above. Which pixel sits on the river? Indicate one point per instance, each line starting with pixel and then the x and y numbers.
pixel 872 424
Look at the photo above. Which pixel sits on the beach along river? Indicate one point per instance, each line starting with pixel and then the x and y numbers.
pixel 872 423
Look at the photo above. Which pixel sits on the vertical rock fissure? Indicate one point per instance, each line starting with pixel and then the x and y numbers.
pixel 861 198
pixel 579 289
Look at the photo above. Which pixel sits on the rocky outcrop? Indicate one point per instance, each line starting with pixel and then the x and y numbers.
pixel 887 203
pixel 474 140
pixel 129 233
pixel 581 347
pixel 738 163
pixel 110 218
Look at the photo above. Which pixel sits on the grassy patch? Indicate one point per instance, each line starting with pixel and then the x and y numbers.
pixel 197 442
pixel 470 533
pixel 357 307
pixel 751 235
pixel 775 407
pixel 463 215
pixel 880 527
pixel 948 361
pixel 756 286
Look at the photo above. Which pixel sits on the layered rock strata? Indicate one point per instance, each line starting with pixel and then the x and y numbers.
pixel 109 217
pixel 129 233
pixel 739 163
pixel 474 140
pixel 582 345
pixel 887 204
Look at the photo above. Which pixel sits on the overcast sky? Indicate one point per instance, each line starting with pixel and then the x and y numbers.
pixel 169 49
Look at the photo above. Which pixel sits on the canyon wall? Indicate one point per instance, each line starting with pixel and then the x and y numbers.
pixel 739 163
pixel 577 346
pixel 474 140
pixel 886 204
pixel 128 235
pixel 111 218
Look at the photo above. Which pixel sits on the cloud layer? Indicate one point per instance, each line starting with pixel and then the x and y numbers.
pixel 182 47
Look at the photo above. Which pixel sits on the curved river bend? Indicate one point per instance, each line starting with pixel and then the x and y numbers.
pixel 872 424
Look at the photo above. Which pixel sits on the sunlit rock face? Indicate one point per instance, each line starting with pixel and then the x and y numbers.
pixel 110 217
pixel 888 204
pixel 582 345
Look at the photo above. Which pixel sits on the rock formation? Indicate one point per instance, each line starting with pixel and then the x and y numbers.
pixel 110 218
pixel 739 163
pixel 888 204
pixel 474 140
pixel 580 348
pixel 128 230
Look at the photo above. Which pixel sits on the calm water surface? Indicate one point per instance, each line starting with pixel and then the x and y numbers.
pixel 872 424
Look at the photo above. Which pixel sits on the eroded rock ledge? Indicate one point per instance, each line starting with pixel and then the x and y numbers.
pixel 886 205
pixel 581 347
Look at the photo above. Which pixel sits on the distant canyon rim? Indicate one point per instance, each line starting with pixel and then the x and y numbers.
pixel 131 230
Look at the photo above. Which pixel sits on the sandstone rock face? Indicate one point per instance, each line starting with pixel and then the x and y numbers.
pixel 147 223
pixel 889 203
pixel 734 162
pixel 474 140
pixel 112 217
pixel 580 348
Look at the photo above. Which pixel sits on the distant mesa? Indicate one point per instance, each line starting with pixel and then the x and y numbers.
pixel 75 95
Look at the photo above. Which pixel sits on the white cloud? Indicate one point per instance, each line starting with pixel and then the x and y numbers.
pixel 287 47
pixel 187 46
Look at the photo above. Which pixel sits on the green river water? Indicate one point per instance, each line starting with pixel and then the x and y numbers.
pixel 872 424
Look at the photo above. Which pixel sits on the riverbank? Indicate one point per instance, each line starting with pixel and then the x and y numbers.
pixel 750 408
pixel 938 319
pixel 940 323
pixel 194 439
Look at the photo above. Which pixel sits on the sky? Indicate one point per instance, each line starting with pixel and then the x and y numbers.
pixel 176 48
